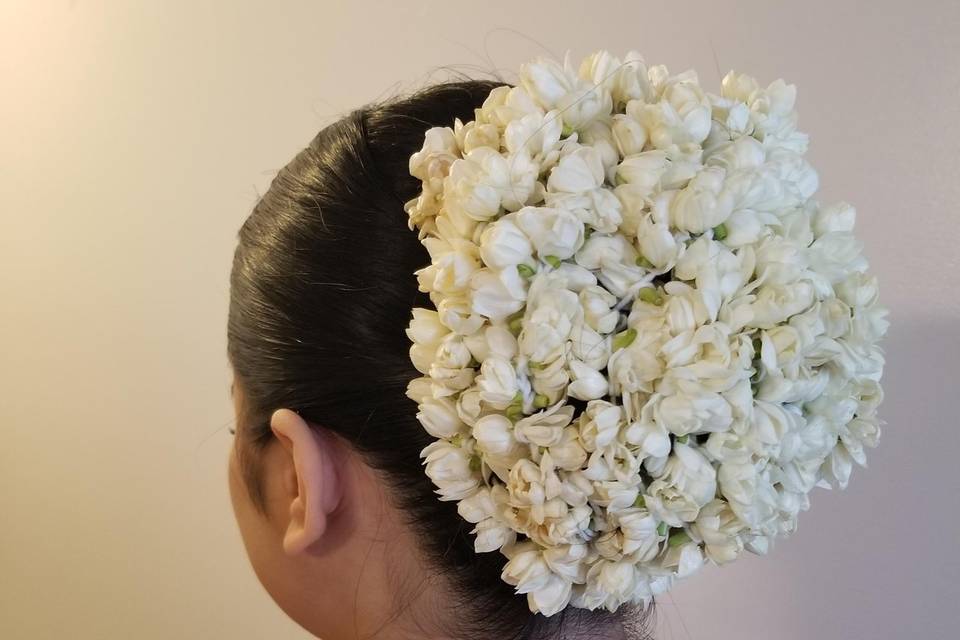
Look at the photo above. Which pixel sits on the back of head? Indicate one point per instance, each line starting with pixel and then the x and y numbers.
pixel 322 289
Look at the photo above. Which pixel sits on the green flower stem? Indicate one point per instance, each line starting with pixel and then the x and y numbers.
pixel 525 270
pixel 678 538
pixel 643 262
pixel 515 408
pixel 650 296
pixel 624 339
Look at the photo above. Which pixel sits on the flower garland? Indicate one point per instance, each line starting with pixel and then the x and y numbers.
pixel 649 342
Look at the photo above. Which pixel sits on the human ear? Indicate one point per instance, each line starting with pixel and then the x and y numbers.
pixel 315 491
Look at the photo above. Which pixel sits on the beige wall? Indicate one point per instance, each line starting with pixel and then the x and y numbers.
pixel 136 136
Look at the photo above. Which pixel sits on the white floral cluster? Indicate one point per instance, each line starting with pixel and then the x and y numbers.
pixel 649 342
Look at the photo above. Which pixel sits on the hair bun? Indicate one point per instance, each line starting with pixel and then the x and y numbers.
pixel 649 342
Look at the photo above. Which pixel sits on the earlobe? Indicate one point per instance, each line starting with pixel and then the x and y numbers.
pixel 316 493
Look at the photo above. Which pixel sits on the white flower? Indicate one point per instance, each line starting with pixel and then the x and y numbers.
pixel 497 382
pixel 454 263
pixel 688 483
pixel 425 331
pixel 497 293
pixel 718 528
pixel 727 446
pixel 682 115
pixel 492 340
pixel 535 488
pixel 616 259
pixel 579 171
pixel 657 244
pixel 503 244
pixel 609 584
pixel 553 232
pixel 551 597
pixel 537 134
pixel 439 417
pixel 640 536
pixel 568 452
pixel 857 289
pixel 703 203
pixel 567 560
pixel 746 491
pixel 597 305
pixel 648 433
pixel 839 216
pixel 588 383
pixel 685 308
pixel 477 507
pixel 779 260
pixel 686 559
pixel 452 352
pixel 638 366
pixel 473 184
pixel 480 509
pixel 599 208
pixel 476 134
pixel 631 80
pixel 506 104
pixel 432 163
pixel 451 470
pixel 588 346
pixel 718 272
pixel 494 436
pixel 600 424
pixel 835 254
pixel 683 414
pixel 642 172
pixel 559 87
pixel 526 568
pixel 705 359
pixel 420 389
pixel 469 406
pixel 739 153
pixel 775 303
pixel 602 68
pixel 549 380
pixel 629 134
pixel 547 592
pixel 551 316
pixel 544 428
pixel 455 313
pixel 492 535
pixel 601 250
pixel 599 136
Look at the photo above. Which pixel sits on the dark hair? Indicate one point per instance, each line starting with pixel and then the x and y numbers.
pixel 321 293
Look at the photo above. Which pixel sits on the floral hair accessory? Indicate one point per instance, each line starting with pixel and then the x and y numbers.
pixel 649 342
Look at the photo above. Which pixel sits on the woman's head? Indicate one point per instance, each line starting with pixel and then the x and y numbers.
pixel 340 521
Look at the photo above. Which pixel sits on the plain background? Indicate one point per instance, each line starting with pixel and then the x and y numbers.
pixel 136 137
